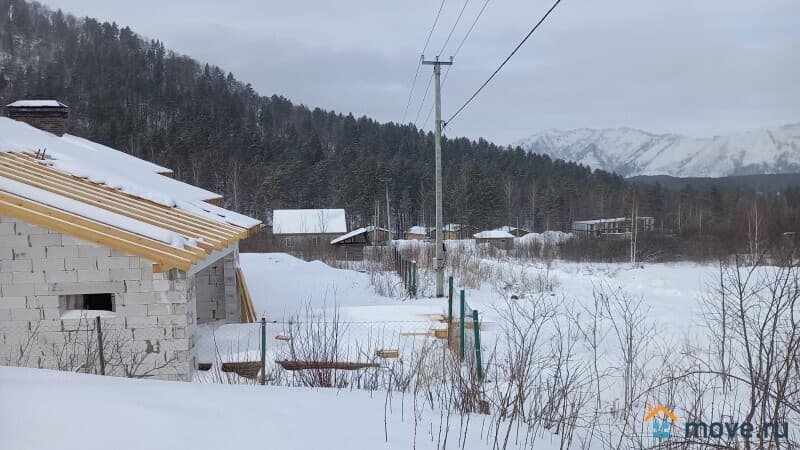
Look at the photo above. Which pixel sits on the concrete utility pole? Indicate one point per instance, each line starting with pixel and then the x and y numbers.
pixel 388 212
pixel 438 262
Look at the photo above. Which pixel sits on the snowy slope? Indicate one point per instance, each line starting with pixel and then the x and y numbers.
pixel 631 152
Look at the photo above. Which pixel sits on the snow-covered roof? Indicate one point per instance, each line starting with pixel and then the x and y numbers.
pixel 417 229
pixel 97 193
pixel 308 221
pixel 593 221
pixel 509 229
pixel 493 234
pixel 36 104
pixel 452 227
pixel 362 230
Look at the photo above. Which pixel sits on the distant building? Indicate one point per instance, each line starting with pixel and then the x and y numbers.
pixel 350 246
pixel 516 232
pixel 47 115
pixel 453 231
pixel 370 235
pixel 307 228
pixel 498 238
pixel 417 233
pixel 615 226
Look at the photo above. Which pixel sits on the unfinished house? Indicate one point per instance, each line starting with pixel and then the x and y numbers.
pixel 99 246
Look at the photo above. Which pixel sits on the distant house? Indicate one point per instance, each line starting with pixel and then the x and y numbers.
pixel 350 246
pixel 615 226
pixel 370 235
pixel 307 228
pixel 516 232
pixel 88 232
pixel 498 238
pixel 453 231
pixel 417 233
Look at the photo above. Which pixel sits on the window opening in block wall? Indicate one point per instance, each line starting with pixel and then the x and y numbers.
pixel 91 302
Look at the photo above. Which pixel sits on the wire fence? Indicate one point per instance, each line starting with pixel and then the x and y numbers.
pixel 96 343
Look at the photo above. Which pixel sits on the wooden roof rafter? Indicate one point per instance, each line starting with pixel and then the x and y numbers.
pixel 183 218
pixel 210 235
pixel 26 170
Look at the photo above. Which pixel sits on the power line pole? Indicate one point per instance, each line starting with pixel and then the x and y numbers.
pixel 388 213
pixel 439 258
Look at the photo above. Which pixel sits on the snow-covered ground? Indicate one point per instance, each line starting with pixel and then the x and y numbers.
pixel 283 287
pixel 42 409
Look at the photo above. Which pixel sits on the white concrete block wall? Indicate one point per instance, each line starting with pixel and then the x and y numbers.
pixel 210 293
pixel 232 306
pixel 154 312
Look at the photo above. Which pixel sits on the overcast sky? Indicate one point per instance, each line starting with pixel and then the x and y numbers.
pixel 696 67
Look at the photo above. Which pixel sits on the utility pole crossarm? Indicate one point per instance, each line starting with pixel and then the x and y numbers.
pixel 439 258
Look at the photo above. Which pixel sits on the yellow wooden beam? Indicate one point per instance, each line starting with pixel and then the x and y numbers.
pixel 50 179
pixel 174 214
pixel 48 217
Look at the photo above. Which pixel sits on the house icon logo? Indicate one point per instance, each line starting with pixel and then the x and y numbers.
pixel 662 419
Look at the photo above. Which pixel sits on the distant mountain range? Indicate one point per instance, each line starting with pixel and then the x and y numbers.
pixel 630 152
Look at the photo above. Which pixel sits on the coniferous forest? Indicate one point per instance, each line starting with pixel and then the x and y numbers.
pixel 265 152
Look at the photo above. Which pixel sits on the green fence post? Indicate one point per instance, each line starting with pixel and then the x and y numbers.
pixel 263 350
pixel 461 336
pixel 478 361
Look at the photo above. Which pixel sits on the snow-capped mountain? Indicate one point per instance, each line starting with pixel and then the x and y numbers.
pixel 630 152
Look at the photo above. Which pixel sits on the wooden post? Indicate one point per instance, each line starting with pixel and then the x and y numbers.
pixel 100 346
pixel 461 336
pixel 478 361
pixel 263 351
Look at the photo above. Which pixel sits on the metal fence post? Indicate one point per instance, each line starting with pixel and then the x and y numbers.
pixel 413 278
pixel 461 336
pixel 408 276
pixel 100 346
pixel 263 350
pixel 478 360
pixel 450 299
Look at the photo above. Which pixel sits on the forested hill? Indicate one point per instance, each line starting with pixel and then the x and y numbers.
pixel 266 152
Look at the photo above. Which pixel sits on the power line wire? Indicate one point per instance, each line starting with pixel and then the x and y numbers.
pixel 419 64
pixel 422 103
pixel 449 35
pixel 458 49
pixel 461 44
pixel 508 58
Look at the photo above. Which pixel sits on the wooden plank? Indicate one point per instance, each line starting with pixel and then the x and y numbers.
pixel 306 365
pixel 87 198
pixel 45 216
pixel 81 193
pixel 182 217
pixel 246 301
pixel 57 180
